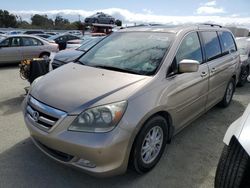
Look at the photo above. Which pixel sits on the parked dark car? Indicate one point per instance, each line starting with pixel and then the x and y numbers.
pixel 33 32
pixel 101 18
pixel 62 40
pixel 243 44
pixel 69 55
pixel 45 36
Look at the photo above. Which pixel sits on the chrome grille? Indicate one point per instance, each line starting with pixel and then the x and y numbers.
pixel 43 116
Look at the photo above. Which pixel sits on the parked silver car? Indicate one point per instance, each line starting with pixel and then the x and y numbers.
pixel 101 18
pixel 19 47
pixel 243 44
pixel 233 170
pixel 129 95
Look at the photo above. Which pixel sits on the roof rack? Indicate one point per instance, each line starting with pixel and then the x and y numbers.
pixel 212 25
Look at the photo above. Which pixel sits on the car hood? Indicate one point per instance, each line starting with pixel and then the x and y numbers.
pixel 75 87
pixel 68 55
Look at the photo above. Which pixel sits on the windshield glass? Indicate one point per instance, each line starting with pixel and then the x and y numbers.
pixel 89 43
pixel 242 45
pixel 137 52
pixel 53 37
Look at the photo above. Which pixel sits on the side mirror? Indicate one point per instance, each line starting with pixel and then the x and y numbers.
pixel 188 65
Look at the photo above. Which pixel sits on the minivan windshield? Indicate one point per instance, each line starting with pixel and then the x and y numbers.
pixel 132 52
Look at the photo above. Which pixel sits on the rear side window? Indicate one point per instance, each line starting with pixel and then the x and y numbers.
pixel 190 48
pixel 227 42
pixel 212 45
pixel 27 41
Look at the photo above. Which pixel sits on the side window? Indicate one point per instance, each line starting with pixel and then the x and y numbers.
pixel 5 43
pixel 27 41
pixel 15 42
pixel 227 42
pixel 212 45
pixel 190 48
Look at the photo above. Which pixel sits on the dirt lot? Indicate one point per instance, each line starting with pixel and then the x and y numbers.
pixel 189 161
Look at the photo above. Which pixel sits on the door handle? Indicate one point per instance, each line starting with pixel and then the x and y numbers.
pixel 213 70
pixel 203 74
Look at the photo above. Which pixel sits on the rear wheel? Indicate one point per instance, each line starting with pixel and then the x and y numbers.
pixel 228 94
pixel 149 144
pixel 233 167
pixel 243 76
pixel 45 56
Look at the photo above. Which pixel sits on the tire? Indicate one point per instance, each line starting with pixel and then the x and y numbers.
pixel 228 94
pixel 233 167
pixel 243 76
pixel 139 161
pixel 45 55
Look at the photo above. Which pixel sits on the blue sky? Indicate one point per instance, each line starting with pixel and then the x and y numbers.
pixel 235 12
pixel 162 7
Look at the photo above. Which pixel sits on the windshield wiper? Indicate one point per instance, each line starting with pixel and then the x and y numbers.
pixel 116 69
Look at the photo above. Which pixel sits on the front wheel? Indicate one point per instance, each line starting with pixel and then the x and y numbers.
pixel 228 94
pixel 149 144
pixel 233 168
pixel 243 76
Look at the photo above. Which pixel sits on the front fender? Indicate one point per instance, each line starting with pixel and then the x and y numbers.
pixel 240 129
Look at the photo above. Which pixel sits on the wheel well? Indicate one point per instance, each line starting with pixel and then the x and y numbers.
pixel 43 53
pixel 167 117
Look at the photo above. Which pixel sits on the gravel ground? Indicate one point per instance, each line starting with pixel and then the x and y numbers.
pixel 189 161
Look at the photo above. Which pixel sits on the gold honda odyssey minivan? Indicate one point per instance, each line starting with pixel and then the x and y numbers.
pixel 122 102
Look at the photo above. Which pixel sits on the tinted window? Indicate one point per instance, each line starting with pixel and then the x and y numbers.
pixel 16 41
pixel 212 45
pixel 190 48
pixel 6 42
pixel 227 42
pixel 137 52
pixel 31 42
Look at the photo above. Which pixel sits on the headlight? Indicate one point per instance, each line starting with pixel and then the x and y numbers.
pixel 99 119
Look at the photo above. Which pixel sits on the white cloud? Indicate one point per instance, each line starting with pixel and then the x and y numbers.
pixel 129 17
pixel 210 3
pixel 209 10
pixel 147 11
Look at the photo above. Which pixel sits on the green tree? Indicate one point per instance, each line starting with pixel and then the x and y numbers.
pixel 118 22
pixel 42 21
pixel 61 23
pixel 7 19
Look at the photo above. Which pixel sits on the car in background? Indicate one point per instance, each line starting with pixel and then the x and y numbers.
pixel 100 18
pixel 2 32
pixel 45 36
pixel 32 32
pixel 62 39
pixel 14 32
pixel 76 33
pixel 243 44
pixel 70 55
pixel 233 170
pixel 126 97
pixel 20 47
pixel 52 33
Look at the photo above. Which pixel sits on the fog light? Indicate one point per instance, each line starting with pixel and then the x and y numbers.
pixel 86 163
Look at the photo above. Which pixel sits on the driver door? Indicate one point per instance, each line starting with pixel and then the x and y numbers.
pixel 187 94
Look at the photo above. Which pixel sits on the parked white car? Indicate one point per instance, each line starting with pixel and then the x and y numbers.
pixel 234 165
pixel 20 47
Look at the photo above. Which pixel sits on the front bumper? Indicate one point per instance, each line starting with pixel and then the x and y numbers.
pixel 99 154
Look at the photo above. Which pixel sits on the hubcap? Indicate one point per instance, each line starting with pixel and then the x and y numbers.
pixel 244 75
pixel 152 144
pixel 229 92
